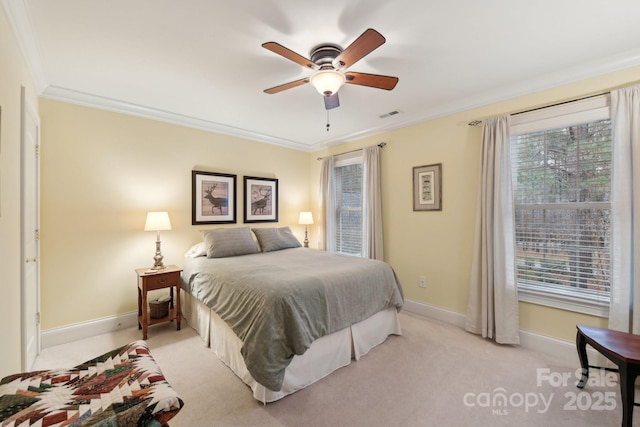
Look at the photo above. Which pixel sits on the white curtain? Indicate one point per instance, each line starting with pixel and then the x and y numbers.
pixel 493 298
pixel 624 311
pixel 326 223
pixel 372 246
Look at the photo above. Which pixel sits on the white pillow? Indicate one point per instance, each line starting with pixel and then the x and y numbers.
pixel 197 250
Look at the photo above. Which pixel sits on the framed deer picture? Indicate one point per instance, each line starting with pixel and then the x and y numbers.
pixel 260 199
pixel 213 198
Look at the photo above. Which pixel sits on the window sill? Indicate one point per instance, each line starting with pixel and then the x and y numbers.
pixel 565 302
pixel 351 254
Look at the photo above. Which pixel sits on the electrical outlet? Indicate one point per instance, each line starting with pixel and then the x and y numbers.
pixel 422 282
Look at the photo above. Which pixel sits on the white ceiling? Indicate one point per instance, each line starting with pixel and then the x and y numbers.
pixel 200 62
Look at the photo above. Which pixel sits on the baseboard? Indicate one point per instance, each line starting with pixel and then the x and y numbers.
pixel 563 350
pixel 78 331
pixel 434 312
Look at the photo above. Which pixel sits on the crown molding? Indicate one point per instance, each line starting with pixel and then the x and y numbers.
pixel 20 24
pixel 81 98
pixel 545 82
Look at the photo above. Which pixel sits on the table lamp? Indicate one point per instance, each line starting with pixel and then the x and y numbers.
pixel 305 218
pixel 157 221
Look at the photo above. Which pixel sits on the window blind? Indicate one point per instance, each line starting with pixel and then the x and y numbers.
pixel 562 189
pixel 348 178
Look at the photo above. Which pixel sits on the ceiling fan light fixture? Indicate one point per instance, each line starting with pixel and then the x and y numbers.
pixel 327 82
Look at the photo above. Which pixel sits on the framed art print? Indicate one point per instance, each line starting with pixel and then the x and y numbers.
pixel 427 188
pixel 260 199
pixel 213 198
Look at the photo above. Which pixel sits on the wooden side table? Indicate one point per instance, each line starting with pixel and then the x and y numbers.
pixel 621 348
pixel 149 280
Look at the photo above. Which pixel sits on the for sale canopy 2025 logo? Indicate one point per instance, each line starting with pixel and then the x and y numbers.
pixel 501 402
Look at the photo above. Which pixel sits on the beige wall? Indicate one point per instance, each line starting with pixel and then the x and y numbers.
pixel 101 173
pixel 13 75
pixel 439 245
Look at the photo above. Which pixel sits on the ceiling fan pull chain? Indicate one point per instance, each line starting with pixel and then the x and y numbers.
pixel 328 121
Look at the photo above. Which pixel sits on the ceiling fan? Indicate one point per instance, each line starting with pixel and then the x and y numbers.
pixel 330 62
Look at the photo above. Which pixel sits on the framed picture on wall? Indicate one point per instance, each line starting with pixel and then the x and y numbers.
pixel 213 198
pixel 427 187
pixel 260 199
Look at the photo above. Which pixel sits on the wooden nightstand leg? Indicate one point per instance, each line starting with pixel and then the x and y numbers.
pixel 145 315
pixel 178 314
pixel 139 308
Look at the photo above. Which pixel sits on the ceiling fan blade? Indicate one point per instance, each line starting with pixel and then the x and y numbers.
pixel 286 86
pixel 361 47
pixel 289 54
pixel 371 80
pixel 331 101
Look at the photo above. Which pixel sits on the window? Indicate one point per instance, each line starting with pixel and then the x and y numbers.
pixel 348 203
pixel 561 165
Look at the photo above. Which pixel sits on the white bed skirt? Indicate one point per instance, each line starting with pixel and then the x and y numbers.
pixel 325 355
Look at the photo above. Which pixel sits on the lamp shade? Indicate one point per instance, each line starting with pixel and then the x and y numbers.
pixel 305 218
pixel 327 82
pixel 157 221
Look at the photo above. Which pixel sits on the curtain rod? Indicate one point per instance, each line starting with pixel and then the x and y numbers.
pixel 477 122
pixel 381 145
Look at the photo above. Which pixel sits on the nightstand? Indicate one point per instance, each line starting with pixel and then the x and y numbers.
pixel 149 280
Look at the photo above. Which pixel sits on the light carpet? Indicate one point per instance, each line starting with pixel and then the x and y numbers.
pixel 435 374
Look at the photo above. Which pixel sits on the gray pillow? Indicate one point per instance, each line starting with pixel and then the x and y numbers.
pixel 274 239
pixel 225 242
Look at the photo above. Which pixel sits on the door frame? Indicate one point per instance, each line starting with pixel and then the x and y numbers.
pixel 29 112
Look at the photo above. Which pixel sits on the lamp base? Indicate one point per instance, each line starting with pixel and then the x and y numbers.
pixel 161 266
pixel 306 240
pixel 157 264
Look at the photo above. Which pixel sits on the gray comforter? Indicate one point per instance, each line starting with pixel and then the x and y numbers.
pixel 279 302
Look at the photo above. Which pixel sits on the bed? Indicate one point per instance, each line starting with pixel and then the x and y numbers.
pixel 282 316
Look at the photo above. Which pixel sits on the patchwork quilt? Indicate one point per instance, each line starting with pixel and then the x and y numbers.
pixel 123 387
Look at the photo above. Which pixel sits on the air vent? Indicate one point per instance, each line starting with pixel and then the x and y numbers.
pixel 389 114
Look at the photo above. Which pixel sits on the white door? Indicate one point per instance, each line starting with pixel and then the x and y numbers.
pixel 30 190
